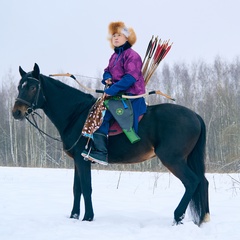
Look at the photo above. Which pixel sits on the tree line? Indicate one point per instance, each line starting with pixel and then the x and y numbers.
pixel 212 90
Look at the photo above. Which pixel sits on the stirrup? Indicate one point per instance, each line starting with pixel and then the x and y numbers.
pixel 87 157
pixel 104 163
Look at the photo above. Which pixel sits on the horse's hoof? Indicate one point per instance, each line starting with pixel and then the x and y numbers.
pixel 74 216
pixel 176 223
pixel 206 217
pixel 89 219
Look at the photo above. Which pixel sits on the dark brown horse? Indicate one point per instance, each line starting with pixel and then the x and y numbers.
pixel 174 133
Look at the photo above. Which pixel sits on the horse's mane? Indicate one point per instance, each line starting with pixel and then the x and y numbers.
pixel 68 91
pixel 70 101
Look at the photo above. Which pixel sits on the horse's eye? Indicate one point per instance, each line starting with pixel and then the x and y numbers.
pixel 32 88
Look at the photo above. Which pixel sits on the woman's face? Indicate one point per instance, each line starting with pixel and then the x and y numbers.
pixel 118 39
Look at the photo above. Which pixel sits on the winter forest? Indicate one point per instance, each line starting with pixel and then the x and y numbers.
pixel 210 89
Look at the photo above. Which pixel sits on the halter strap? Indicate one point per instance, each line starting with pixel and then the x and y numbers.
pixel 23 101
pixel 35 101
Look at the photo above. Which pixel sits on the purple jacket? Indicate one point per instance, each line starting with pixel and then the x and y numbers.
pixel 125 70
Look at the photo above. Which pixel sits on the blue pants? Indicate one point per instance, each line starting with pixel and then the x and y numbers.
pixel 105 124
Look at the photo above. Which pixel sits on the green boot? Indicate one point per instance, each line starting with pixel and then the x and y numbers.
pixel 98 152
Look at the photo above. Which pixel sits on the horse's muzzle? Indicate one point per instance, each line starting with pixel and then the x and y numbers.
pixel 18 112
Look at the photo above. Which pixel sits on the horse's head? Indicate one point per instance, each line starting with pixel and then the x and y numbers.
pixel 30 96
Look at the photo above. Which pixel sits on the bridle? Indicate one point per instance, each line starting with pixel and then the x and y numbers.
pixel 31 112
pixel 32 105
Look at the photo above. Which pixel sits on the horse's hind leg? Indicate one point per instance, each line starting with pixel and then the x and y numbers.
pixel 179 168
pixel 206 201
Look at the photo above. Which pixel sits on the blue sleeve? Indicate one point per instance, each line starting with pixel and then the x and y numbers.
pixel 106 76
pixel 122 85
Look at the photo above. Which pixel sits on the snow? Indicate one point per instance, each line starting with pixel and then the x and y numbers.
pixel 36 204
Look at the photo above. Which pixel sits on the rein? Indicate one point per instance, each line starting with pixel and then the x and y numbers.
pixel 42 133
pixel 34 124
pixel 31 112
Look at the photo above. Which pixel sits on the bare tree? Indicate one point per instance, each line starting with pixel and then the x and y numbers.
pixel 212 90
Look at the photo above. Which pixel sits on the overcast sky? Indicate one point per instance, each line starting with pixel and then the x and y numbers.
pixel 71 36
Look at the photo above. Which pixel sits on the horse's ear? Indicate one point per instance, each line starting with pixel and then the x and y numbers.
pixel 21 71
pixel 36 71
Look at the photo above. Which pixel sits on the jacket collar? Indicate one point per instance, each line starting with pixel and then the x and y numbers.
pixel 122 48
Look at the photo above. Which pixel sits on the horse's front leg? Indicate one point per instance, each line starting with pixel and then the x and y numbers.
pixel 77 191
pixel 82 185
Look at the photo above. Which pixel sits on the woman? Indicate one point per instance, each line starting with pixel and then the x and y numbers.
pixel 122 75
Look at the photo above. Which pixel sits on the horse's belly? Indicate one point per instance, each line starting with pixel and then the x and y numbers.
pixel 135 155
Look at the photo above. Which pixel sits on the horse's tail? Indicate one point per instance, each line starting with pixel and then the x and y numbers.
pixel 196 161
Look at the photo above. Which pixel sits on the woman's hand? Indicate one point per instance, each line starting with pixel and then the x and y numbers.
pixel 105 95
pixel 108 81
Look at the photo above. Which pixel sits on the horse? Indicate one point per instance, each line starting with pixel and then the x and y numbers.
pixel 173 133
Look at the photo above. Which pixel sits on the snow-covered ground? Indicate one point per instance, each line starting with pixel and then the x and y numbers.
pixel 36 204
